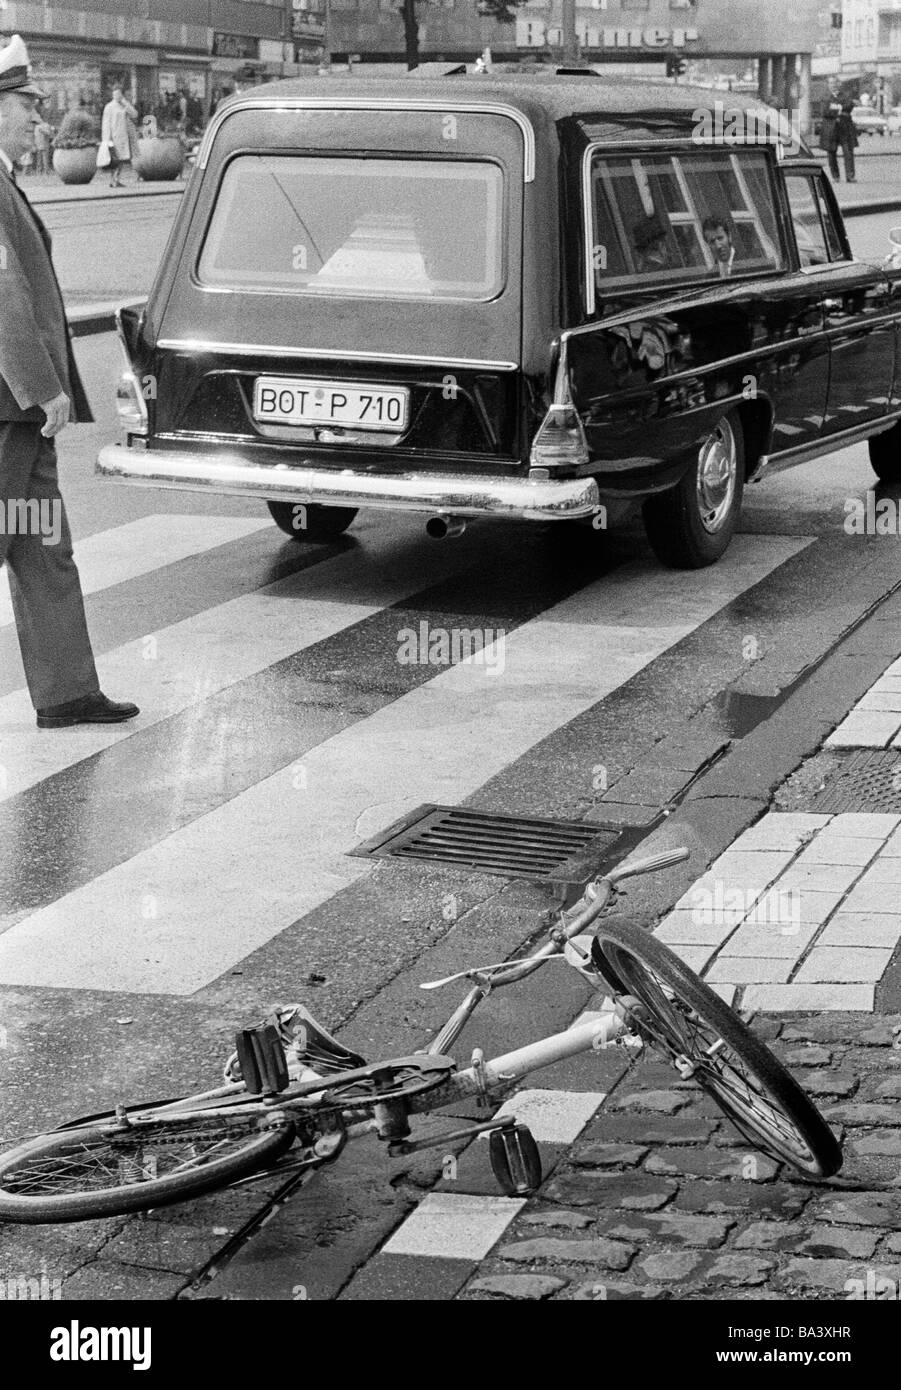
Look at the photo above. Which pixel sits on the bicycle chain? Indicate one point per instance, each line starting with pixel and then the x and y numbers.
pixel 136 1138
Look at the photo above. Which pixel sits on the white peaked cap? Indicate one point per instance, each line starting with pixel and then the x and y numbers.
pixel 15 69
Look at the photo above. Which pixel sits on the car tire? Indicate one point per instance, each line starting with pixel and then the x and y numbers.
pixel 691 525
pixel 312 521
pixel 885 454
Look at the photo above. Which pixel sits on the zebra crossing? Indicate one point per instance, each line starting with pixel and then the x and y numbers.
pixel 184 663
pixel 172 914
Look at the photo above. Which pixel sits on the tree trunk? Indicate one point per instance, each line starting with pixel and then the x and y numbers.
pixel 411 35
pixel 569 47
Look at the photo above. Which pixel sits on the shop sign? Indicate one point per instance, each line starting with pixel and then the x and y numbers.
pixel 308 21
pixel 235 46
pixel 536 33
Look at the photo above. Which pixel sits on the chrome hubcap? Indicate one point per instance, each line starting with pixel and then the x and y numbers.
pixel 717 477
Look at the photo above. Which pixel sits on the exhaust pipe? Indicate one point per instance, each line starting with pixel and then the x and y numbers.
pixel 445 527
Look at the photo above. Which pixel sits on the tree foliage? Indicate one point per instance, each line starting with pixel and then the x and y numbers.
pixel 504 11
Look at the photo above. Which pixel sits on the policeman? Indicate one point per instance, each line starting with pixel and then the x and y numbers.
pixel 40 391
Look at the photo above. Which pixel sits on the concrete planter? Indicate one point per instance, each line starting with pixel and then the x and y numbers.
pixel 159 157
pixel 76 166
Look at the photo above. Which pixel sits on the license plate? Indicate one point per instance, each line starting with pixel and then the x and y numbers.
pixel 282 400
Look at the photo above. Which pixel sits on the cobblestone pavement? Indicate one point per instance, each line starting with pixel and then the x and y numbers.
pixel 661 1198
pixel 649 1192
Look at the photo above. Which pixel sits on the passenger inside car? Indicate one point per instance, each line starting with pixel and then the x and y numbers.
pixel 718 236
pixel 686 216
pixel 650 240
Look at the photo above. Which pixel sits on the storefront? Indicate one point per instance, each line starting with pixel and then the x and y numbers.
pixel 135 71
pixel 183 75
pixel 232 54
pixel 70 76
pixel 74 76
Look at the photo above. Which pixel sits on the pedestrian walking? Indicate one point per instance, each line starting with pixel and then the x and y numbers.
pixel 119 134
pixel 829 130
pixel 847 138
pixel 40 390
pixel 838 133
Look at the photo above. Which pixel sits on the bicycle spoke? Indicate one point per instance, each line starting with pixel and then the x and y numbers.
pixel 122 1160
pixel 683 1035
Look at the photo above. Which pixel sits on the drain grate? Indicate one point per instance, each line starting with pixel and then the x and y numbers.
pixel 866 781
pixel 512 846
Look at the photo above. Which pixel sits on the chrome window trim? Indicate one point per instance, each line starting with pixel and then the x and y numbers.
pixel 281 291
pixel 587 220
pixel 197 345
pixel 831 265
pixel 231 108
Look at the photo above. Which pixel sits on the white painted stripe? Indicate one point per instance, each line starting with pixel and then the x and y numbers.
pixel 169 671
pixel 139 547
pixel 554 1117
pixel 453 1226
pixel 236 877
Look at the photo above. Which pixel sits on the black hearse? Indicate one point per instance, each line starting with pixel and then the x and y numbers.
pixel 544 297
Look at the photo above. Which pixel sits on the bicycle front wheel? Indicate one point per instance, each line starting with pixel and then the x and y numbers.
pixel 684 1019
pixel 109 1170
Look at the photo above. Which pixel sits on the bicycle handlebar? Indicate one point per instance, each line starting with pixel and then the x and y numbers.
pixel 664 860
pixel 598 893
pixel 580 916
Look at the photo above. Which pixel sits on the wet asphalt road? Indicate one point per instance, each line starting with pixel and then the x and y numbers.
pixel 359 952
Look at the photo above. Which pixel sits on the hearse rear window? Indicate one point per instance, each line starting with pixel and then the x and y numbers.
pixel 345 226
pixel 662 217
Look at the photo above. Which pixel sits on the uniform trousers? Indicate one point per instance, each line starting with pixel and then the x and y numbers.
pixel 43 578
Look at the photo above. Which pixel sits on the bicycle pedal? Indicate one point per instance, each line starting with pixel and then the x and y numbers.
pixel 515 1160
pixel 261 1057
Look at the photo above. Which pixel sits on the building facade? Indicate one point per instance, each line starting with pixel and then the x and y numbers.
pixel 871 47
pixel 80 48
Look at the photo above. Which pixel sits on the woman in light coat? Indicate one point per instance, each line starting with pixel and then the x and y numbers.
pixel 118 133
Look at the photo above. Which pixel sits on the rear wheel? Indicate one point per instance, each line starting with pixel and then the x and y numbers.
pixel 110 1169
pixel 885 454
pixel 691 525
pixel 704 1039
pixel 311 521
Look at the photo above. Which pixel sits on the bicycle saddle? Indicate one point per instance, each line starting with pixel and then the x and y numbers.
pixel 306 1038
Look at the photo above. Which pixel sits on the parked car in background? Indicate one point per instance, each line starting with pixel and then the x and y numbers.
pixel 893 120
pixel 544 298
pixel 869 122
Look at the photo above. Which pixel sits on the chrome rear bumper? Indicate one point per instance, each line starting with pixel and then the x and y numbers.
pixel 541 499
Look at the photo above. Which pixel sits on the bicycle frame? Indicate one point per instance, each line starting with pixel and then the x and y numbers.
pixel 482 1079
pixel 596 897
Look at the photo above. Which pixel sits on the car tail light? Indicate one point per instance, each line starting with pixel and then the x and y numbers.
pixel 560 442
pixel 131 406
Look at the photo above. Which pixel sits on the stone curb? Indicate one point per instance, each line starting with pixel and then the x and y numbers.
pixel 870 205
pixel 737 789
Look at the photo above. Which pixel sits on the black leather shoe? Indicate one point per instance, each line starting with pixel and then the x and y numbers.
pixel 90 709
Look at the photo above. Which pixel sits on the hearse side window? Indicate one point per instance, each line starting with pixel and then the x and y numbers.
pixel 818 239
pixel 344 226
pixel 677 217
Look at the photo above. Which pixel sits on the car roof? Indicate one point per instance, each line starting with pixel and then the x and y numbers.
pixel 558 96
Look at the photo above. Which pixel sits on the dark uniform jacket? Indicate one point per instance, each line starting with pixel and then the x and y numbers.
pixel 36 359
pixel 829 128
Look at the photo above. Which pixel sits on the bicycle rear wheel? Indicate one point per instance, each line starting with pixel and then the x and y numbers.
pixel 107 1170
pixel 683 1018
